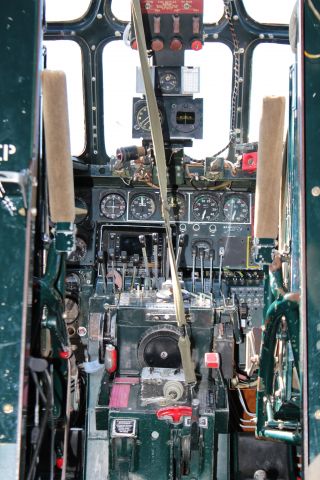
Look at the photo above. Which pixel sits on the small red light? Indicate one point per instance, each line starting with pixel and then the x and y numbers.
pixel 64 354
pixel 196 45
pixel 175 44
pixel 212 360
pixel 134 44
pixel 59 463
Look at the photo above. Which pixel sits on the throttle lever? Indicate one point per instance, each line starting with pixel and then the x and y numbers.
pixel 181 239
pixel 142 240
pixel 155 241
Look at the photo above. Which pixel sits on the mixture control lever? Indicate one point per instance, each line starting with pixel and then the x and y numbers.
pixel 124 260
pixel 155 242
pixel 201 255
pixel 181 240
pixel 135 261
pixel 194 255
pixel 100 259
pixel 142 240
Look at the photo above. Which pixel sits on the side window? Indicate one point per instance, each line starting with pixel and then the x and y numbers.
pixel 66 10
pixel 119 86
pixel 215 62
pixel 270 76
pixel 66 55
pixel 272 11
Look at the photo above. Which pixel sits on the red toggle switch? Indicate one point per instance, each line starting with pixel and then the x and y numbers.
pixel 157 45
pixel 59 463
pixel 174 414
pixel 175 44
pixel 196 45
pixel 212 360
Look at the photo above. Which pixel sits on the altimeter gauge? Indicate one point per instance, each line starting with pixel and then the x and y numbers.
pixel 142 207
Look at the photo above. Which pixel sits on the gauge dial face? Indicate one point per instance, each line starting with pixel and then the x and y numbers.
pixel 71 310
pixel 177 206
pixel 80 251
pixel 142 207
pixel 168 81
pixel 205 208
pixel 113 206
pixel 142 119
pixel 235 209
pixel 81 210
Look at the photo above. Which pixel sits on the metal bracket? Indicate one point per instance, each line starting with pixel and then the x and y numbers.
pixel 18 178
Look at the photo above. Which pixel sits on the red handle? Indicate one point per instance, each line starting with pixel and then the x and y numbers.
pixel 174 413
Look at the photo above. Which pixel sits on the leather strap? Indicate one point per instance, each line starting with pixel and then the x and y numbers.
pixel 160 158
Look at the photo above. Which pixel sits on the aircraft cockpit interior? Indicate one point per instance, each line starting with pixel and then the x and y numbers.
pixel 159 189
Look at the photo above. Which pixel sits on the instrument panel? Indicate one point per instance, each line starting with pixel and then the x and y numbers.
pixel 143 205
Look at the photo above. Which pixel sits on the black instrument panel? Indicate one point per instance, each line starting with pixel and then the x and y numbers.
pixel 141 205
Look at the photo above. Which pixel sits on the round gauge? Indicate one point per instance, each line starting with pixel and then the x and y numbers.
pixel 142 118
pixel 71 310
pixel 113 206
pixel 142 207
pixel 80 251
pixel 168 81
pixel 177 206
pixel 235 209
pixel 81 210
pixel 205 208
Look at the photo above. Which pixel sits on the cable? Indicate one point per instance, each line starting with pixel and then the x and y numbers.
pixel 42 429
pixel 313 9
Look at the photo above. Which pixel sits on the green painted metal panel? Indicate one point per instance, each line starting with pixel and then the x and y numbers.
pixel 19 126
pixel 312 225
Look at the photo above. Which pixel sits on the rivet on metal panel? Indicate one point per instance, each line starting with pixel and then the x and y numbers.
pixel 315 191
pixel 7 408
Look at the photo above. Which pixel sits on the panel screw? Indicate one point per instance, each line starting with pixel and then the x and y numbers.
pixel 7 408
pixel 317 414
pixel 315 191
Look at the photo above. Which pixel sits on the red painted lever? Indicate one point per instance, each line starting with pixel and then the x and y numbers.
pixel 175 413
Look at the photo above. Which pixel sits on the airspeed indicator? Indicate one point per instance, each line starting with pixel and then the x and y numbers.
pixel 205 208
pixel 235 209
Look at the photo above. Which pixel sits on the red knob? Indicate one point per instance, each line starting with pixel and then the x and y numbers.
pixel 157 44
pixel 174 414
pixel 59 463
pixel 196 45
pixel 134 44
pixel 175 44
pixel 65 354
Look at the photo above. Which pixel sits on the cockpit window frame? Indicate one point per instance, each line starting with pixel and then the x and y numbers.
pixel 99 27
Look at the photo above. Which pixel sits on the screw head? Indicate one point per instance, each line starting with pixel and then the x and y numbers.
pixel 7 408
pixel 315 191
